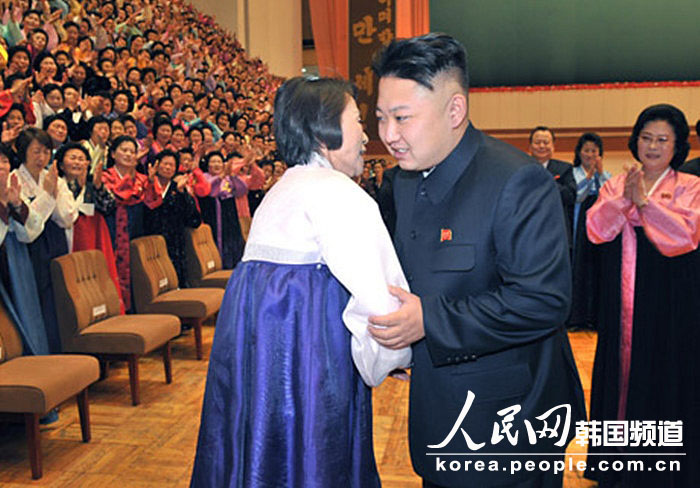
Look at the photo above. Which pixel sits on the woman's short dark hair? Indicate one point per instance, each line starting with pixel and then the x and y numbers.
pixel 25 138
pixel 16 106
pixel 18 49
pixel 205 160
pixel 422 58
pixel 93 121
pixel 159 122
pixel 53 118
pixel 194 129
pixel 42 56
pixel 124 118
pixel 675 118
pixel 129 97
pixel 587 137
pixel 115 145
pixel 61 154
pixel 82 38
pixel 39 30
pixel 49 87
pixel 168 152
pixel 307 116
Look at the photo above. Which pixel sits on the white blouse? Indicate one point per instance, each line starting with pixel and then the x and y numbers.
pixel 315 214
pixel 63 209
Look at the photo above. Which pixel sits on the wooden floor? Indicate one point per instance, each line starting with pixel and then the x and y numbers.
pixel 153 445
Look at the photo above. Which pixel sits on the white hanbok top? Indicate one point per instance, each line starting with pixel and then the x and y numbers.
pixel 63 209
pixel 315 214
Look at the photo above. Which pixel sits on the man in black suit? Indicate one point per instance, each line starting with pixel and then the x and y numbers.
pixel 541 148
pixel 481 237
pixel 692 166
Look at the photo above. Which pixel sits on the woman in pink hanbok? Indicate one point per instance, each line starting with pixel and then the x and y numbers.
pixel 647 223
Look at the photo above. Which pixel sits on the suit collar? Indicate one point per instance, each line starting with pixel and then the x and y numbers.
pixel 446 173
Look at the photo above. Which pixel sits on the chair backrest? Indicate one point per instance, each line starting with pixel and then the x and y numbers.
pixel 152 272
pixel 10 341
pixel 202 255
pixel 84 292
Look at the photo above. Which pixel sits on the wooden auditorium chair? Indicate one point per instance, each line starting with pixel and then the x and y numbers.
pixel 155 287
pixel 203 259
pixel 87 307
pixel 31 386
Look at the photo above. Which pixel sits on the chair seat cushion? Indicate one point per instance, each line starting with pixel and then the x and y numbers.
pixel 194 303
pixel 36 384
pixel 126 334
pixel 217 279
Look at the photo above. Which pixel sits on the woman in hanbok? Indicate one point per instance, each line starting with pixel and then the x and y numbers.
pixel 288 399
pixel 49 198
pixel 177 212
pixel 590 177
pixel 219 208
pixel 647 224
pixel 18 290
pixel 94 202
pixel 133 192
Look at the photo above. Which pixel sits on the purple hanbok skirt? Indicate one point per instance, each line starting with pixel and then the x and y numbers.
pixel 284 405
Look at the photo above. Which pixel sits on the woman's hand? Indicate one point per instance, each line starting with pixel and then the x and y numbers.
pixel 180 181
pixel 51 180
pixel 9 134
pixel 599 164
pixel 97 176
pixel 634 189
pixel 14 191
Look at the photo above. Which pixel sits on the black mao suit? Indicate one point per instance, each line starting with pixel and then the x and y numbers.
pixel 482 241
pixel 563 174
pixel 691 166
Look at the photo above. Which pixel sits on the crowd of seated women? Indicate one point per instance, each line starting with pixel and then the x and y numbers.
pixel 118 120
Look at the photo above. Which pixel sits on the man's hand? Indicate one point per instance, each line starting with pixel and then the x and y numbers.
pixel 402 327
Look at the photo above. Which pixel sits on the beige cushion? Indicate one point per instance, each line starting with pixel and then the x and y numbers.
pixel 152 272
pixel 126 334
pixel 202 255
pixel 188 303
pixel 84 292
pixel 10 341
pixel 217 279
pixel 36 384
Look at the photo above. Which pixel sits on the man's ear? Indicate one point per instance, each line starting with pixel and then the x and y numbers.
pixel 458 109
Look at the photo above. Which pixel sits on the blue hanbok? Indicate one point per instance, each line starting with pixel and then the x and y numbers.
pixel 287 401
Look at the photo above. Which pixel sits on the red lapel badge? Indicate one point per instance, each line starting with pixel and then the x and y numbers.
pixel 556 177
pixel 445 235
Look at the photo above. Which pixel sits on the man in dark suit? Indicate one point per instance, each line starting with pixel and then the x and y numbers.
pixel 480 235
pixel 541 148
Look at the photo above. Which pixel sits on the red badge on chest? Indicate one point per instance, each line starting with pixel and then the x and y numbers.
pixel 445 235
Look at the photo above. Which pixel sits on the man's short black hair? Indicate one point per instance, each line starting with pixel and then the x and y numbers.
pixel 542 128
pixel 422 58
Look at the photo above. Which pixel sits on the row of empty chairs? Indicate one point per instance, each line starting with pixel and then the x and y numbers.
pixel 91 328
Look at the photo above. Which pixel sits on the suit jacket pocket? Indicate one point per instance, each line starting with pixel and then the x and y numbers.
pixel 454 257
pixel 493 385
